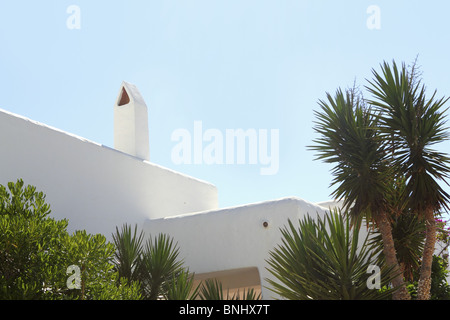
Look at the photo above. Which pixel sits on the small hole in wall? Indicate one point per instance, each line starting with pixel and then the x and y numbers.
pixel 265 224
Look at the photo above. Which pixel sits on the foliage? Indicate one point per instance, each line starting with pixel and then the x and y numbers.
pixel 127 257
pixel 349 139
pixel 36 251
pixel 443 231
pixel 408 232
pixel 409 237
pixel 440 289
pixel 362 172
pixel 376 143
pixel 160 261
pixel 325 259
pixel 93 254
pixel 413 124
pixel 29 242
pixel 181 286
pixel 152 263
pixel 212 289
pixel 156 265
pixel 117 289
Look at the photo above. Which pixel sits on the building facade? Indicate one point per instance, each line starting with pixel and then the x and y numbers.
pixel 98 188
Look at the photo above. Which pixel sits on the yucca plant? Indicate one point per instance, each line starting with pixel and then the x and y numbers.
pixel 160 261
pixel 414 123
pixel 152 263
pixel 212 289
pixel 349 139
pixel 247 294
pixel 325 259
pixel 181 286
pixel 128 254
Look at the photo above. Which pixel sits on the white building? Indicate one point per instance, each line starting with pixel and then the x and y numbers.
pixel 98 188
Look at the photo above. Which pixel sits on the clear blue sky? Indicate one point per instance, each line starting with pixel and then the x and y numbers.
pixel 230 64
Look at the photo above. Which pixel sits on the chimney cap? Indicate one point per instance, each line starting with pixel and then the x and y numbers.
pixel 129 93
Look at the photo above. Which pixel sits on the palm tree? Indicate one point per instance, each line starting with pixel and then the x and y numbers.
pixel 414 123
pixel 408 232
pixel 349 138
pixel 325 259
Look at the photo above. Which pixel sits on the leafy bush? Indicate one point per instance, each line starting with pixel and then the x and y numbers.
pixel 36 251
pixel 440 289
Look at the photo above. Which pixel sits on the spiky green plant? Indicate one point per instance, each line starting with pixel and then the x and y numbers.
pixel 152 262
pixel 181 286
pixel 362 172
pixel 408 232
pixel 128 254
pixel 212 289
pixel 160 260
pixel 325 259
pixel 414 124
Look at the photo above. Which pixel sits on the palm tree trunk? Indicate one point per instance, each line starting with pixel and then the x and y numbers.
pixel 423 290
pixel 390 254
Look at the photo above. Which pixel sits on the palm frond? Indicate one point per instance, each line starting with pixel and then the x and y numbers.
pixel 350 140
pixel 414 124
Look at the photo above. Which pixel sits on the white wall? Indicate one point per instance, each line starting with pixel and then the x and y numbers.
pixel 234 237
pixel 97 188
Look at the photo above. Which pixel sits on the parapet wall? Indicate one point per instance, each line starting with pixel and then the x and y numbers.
pixel 96 187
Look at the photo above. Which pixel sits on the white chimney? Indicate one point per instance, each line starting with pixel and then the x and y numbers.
pixel 131 122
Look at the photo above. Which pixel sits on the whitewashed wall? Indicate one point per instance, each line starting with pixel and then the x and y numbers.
pixel 96 187
pixel 233 238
